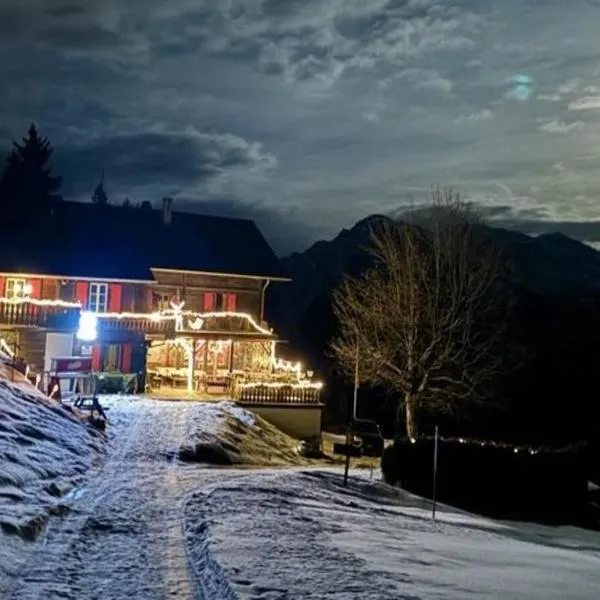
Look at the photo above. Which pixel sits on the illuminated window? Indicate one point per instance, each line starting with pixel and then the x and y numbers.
pixel 98 297
pixel 17 288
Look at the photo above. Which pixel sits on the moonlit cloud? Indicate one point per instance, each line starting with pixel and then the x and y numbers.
pixel 311 114
pixel 585 103
pixel 558 126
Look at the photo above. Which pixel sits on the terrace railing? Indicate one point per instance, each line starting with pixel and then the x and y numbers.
pixel 27 314
pixel 269 394
pixel 136 324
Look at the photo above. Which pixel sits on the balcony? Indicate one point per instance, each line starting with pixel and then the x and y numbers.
pixel 29 314
pixel 224 324
pixel 192 324
pixel 136 324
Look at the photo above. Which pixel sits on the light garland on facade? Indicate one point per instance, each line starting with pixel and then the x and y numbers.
pixel 188 348
pixel 174 314
pixel 280 364
pixel 196 321
pixel 38 302
pixel 301 385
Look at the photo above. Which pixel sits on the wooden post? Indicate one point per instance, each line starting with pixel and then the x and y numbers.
pixel 231 356
pixel 435 467
pixel 193 364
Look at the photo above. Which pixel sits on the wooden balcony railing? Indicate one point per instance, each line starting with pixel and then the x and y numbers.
pixel 34 315
pixel 258 394
pixel 137 324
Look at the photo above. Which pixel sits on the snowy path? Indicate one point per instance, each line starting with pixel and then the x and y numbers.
pixel 122 537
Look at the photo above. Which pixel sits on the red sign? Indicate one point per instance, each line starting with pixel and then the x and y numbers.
pixel 72 364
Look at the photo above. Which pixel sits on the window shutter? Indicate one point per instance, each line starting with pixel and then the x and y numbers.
pixel 36 288
pixel 209 301
pixel 81 293
pixel 96 355
pixel 230 302
pixel 114 297
pixel 2 286
pixel 126 358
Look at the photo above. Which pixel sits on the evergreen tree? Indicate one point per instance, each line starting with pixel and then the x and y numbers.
pixel 27 185
pixel 99 196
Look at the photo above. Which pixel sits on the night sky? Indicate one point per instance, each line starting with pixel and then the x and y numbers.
pixel 308 115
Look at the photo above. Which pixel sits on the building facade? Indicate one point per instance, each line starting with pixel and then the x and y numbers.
pixel 161 301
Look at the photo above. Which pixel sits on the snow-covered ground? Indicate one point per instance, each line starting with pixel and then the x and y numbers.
pixel 44 452
pixel 303 535
pixel 147 526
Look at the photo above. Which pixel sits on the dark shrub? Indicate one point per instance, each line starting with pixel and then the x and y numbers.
pixel 497 480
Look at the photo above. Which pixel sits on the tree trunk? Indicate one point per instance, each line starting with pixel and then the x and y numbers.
pixel 409 415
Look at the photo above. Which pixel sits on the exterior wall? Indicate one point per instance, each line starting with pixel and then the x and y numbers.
pixel 245 294
pixel 32 347
pixel 193 287
pixel 301 422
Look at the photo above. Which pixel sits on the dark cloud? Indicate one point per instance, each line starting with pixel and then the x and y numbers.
pixel 310 114
pixel 173 162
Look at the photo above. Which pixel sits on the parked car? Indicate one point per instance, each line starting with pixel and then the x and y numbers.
pixel 367 435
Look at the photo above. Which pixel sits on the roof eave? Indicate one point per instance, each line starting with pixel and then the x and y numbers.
pixel 223 274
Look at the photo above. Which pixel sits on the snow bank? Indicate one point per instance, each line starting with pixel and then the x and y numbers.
pixel 292 534
pixel 44 449
pixel 223 433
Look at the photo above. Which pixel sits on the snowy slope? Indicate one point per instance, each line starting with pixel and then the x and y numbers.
pixel 122 536
pixel 237 436
pixel 291 534
pixel 220 433
pixel 44 449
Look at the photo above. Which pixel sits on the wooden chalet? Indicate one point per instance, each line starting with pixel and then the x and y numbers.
pixel 177 301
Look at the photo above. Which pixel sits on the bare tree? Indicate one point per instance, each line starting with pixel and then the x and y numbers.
pixel 424 315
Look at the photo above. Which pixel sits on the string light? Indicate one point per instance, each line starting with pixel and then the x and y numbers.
pixel 188 348
pixel 281 364
pixel 301 385
pixel 500 445
pixel 196 321
pixel 38 302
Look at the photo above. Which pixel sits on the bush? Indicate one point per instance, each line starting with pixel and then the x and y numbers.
pixel 497 480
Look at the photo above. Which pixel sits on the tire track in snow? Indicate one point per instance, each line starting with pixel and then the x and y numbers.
pixel 125 537
pixel 65 530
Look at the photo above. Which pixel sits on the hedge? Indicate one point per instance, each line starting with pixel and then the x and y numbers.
pixel 498 480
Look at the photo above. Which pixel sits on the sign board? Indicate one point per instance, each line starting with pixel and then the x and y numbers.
pixel 71 364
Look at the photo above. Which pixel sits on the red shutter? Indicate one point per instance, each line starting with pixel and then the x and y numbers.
pixel 126 358
pixel 114 297
pixel 230 302
pixel 81 293
pixel 36 288
pixel 2 282
pixel 96 357
pixel 209 301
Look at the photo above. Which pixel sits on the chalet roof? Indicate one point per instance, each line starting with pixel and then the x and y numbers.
pixel 109 242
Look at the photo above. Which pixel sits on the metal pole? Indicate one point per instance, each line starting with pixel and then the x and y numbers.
pixel 435 466
pixel 355 400
pixel 347 464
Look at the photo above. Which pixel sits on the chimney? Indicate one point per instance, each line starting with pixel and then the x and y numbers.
pixel 167 210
